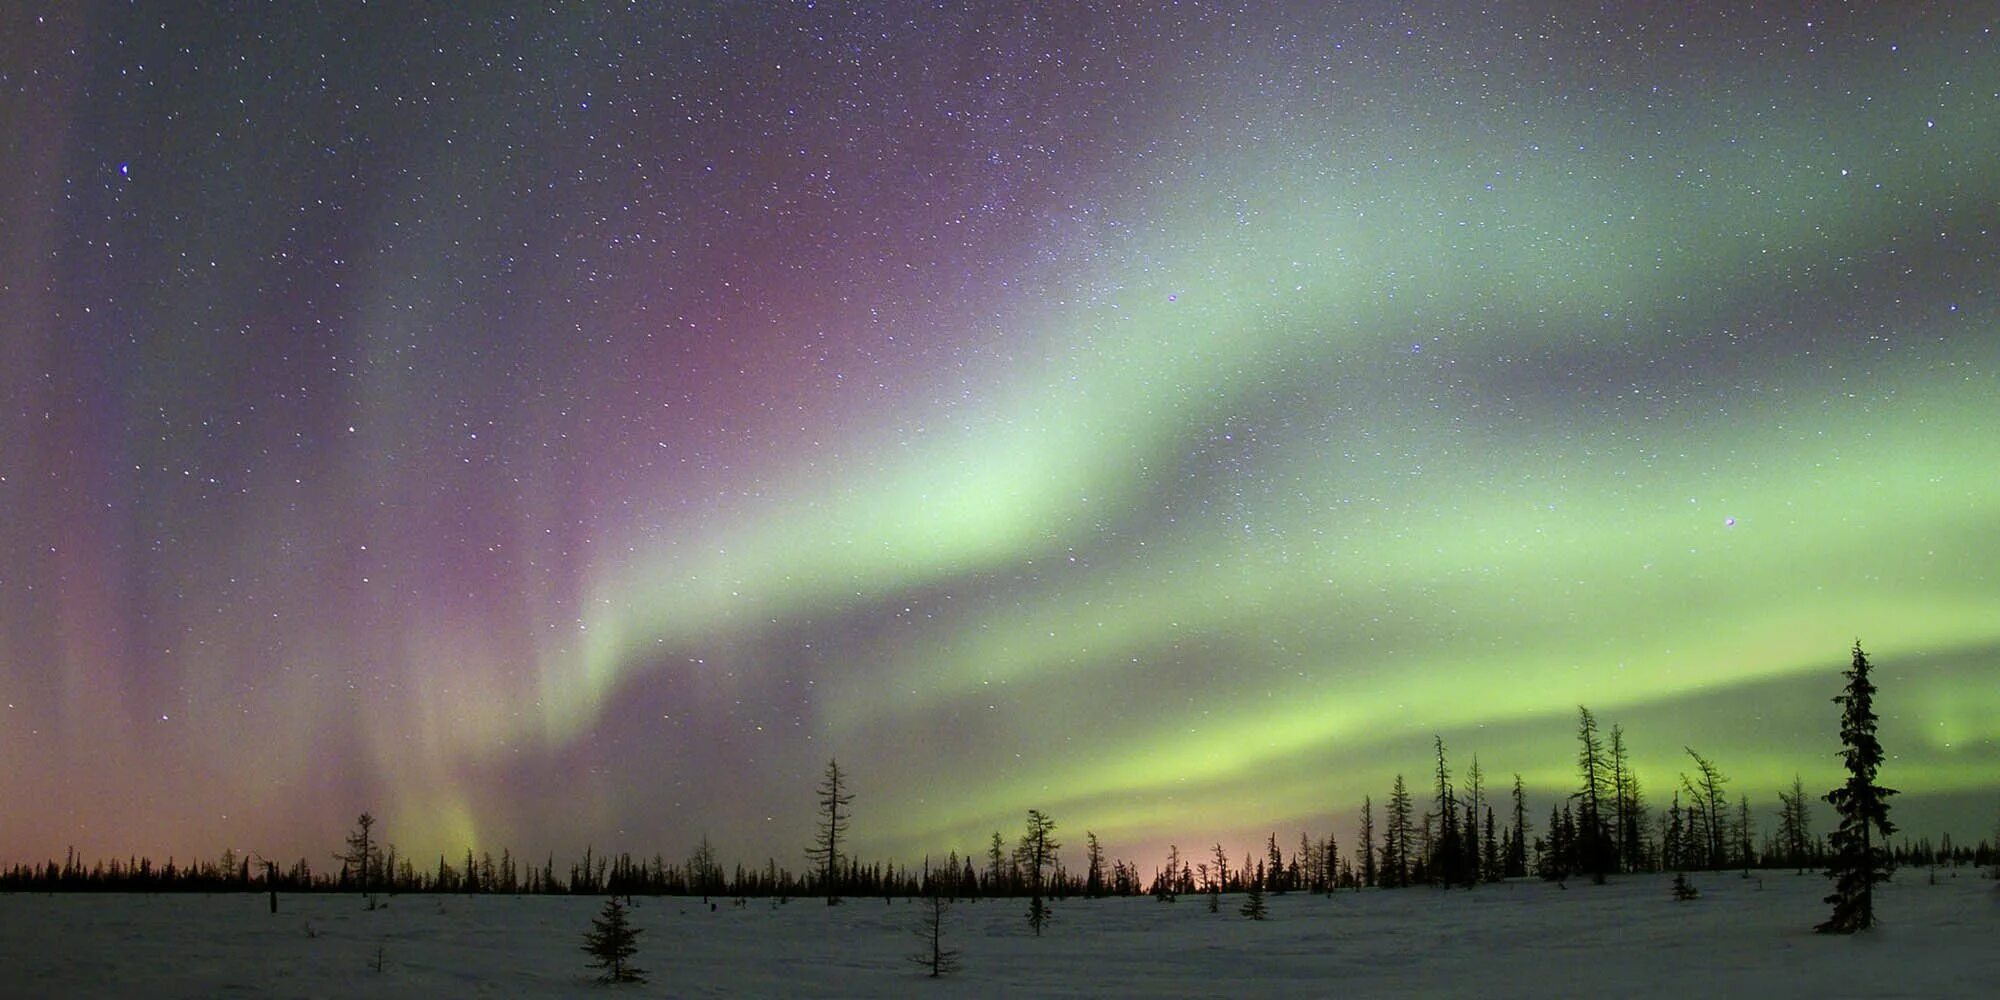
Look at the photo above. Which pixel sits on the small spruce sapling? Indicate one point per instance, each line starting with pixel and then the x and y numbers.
pixel 611 942
pixel 1683 889
pixel 1253 906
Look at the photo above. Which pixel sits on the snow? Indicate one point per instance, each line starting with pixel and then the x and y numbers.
pixel 1748 937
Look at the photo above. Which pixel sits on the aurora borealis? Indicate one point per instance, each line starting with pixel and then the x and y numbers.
pixel 560 429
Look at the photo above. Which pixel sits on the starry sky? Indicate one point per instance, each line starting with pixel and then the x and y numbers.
pixel 549 429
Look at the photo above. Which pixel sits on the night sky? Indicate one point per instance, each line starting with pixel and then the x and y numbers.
pixel 566 429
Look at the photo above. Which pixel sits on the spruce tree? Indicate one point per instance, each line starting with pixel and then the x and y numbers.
pixel 1859 861
pixel 1629 803
pixel 1490 858
pixel 1683 889
pixel 1093 879
pixel 1707 810
pixel 1595 852
pixel 1275 872
pixel 825 851
pixel 1447 855
pixel 1253 905
pixel 1517 844
pixel 611 941
pixel 363 855
pixel 1036 854
pixel 934 958
pixel 1795 825
pixel 1395 873
pixel 1367 849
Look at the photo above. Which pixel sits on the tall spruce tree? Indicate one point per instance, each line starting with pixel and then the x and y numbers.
pixel 825 851
pixel 1517 842
pixel 1477 848
pixel 999 878
pixel 1859 861
pixel 1395 873
pixel 1366 852
pixel 1447 856
pixel 1594 849
pixel 1489 859
pixel 1093 878
pixel 1707 809
pixel 1037 854
pixel 1629 804
pixel 1274 873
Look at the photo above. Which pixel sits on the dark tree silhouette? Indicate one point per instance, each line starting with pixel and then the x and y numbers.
pixel 1490 856
pixel 1628 804
pixel 1795 825
pixel 1093 879
pixel 1446 855
pixel 1253 903
pixel 935 958
pixel 363 856
pixel 1594 849
pixel 999 877
pixel 1683 889
pixel 1707 809
pixel 1858 861
pixel 1037 854
pixel 610 942
pixel 833 798
pixel 1517 844
pixel 1395 872
pixel 1274 874
pixel 1477 844
pixel 1366 852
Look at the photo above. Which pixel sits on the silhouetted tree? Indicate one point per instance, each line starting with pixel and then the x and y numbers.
pixel 1366 852
pixel 1395 873
pixel 833 797
pixel 1746 834
pixel 611 941
pixel 1594 849
pixel 1253 903
pixel 1795 825
pixel 1477 847
pixel 999 877
pixel 1707 809
pixel 1093 879
pixel 1173 882
pixel 1558 849
pixel 363 856
pixel 1490 860
pixel 1628 804
pixel 1036 854
pixel 1683 889
pixel 1274 873
pixel 1330 868
pixel 1858 862
pixel 1448 853
pixel 935 958
pixel 1517 845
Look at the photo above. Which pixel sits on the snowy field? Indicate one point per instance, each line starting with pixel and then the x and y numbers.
pixel 1527 939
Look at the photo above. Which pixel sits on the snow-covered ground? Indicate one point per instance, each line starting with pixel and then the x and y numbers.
pixel 1741 938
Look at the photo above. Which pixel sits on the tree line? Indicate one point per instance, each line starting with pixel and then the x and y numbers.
pixel 1461 834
